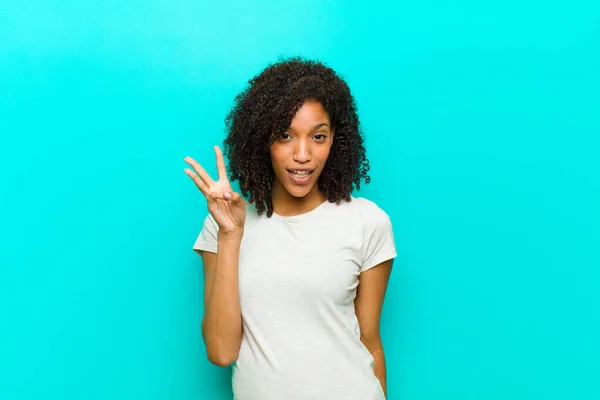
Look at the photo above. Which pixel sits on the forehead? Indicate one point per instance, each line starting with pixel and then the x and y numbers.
pixel 311 113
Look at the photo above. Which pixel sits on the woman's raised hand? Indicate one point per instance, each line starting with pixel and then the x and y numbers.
pixel 228 208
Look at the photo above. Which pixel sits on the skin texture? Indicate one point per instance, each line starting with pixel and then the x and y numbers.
pixel 305 144
pixel 222 321
pixel 320 133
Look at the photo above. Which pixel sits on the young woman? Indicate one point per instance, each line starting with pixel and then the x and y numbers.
pixel 295 277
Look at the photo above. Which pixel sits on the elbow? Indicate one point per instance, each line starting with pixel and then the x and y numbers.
pixel 221 358
pixel 221 351
pixel 221 355
pixel 372 343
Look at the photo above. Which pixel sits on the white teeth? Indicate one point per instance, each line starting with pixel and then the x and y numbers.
pixel 300 173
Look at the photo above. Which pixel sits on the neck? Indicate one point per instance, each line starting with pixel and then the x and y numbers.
pixel 285 204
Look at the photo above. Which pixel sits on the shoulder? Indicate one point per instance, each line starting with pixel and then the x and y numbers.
pixel 369 210
pixel 210 223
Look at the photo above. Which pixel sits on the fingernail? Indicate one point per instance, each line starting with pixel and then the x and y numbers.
pixel 227 195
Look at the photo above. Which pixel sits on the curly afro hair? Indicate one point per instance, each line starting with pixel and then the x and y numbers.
pixel 265 109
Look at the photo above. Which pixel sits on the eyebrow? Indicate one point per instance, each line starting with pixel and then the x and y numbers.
pixel 314 128
pixel 319 125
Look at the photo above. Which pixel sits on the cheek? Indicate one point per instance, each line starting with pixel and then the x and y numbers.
pixel 324 155
pixel 277 157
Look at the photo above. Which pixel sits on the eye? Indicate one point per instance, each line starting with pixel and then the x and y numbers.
pixel 320 136
pixel 284 136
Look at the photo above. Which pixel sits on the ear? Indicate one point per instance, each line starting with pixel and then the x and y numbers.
pixel 331 135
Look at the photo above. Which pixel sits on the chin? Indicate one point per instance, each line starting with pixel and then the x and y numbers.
pixel 298 192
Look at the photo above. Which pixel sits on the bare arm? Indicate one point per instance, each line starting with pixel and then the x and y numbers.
pixel 222 322
pixel 368 305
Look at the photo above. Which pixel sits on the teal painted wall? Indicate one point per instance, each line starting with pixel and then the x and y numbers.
pixel 482 122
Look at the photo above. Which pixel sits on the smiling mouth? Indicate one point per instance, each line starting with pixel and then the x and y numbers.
pixel 300 174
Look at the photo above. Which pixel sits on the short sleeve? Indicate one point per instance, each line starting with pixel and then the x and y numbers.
pixel 207 239
pixel 378 241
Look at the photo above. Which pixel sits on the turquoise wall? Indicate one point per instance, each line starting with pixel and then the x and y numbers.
pixel 482 122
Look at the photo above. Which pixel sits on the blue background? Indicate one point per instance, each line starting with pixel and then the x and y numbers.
pixel 482 122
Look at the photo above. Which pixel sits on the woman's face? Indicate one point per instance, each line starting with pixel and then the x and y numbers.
pixel 299 155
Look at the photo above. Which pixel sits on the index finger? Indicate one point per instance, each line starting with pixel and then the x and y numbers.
pixel 220 164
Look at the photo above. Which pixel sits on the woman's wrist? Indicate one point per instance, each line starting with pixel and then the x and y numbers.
pixel 233 236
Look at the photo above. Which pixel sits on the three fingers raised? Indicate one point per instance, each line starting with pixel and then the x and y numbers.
pixel 203 180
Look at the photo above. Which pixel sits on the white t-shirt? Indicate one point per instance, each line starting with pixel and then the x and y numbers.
pixel 297 280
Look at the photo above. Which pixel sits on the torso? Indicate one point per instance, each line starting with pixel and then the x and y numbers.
pixel 297 280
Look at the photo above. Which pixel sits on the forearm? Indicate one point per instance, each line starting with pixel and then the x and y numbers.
pixel 222 323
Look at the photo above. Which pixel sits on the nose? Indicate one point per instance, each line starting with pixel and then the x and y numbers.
pixel 302 151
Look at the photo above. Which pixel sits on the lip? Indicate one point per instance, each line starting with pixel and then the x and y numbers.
pixel 301 181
